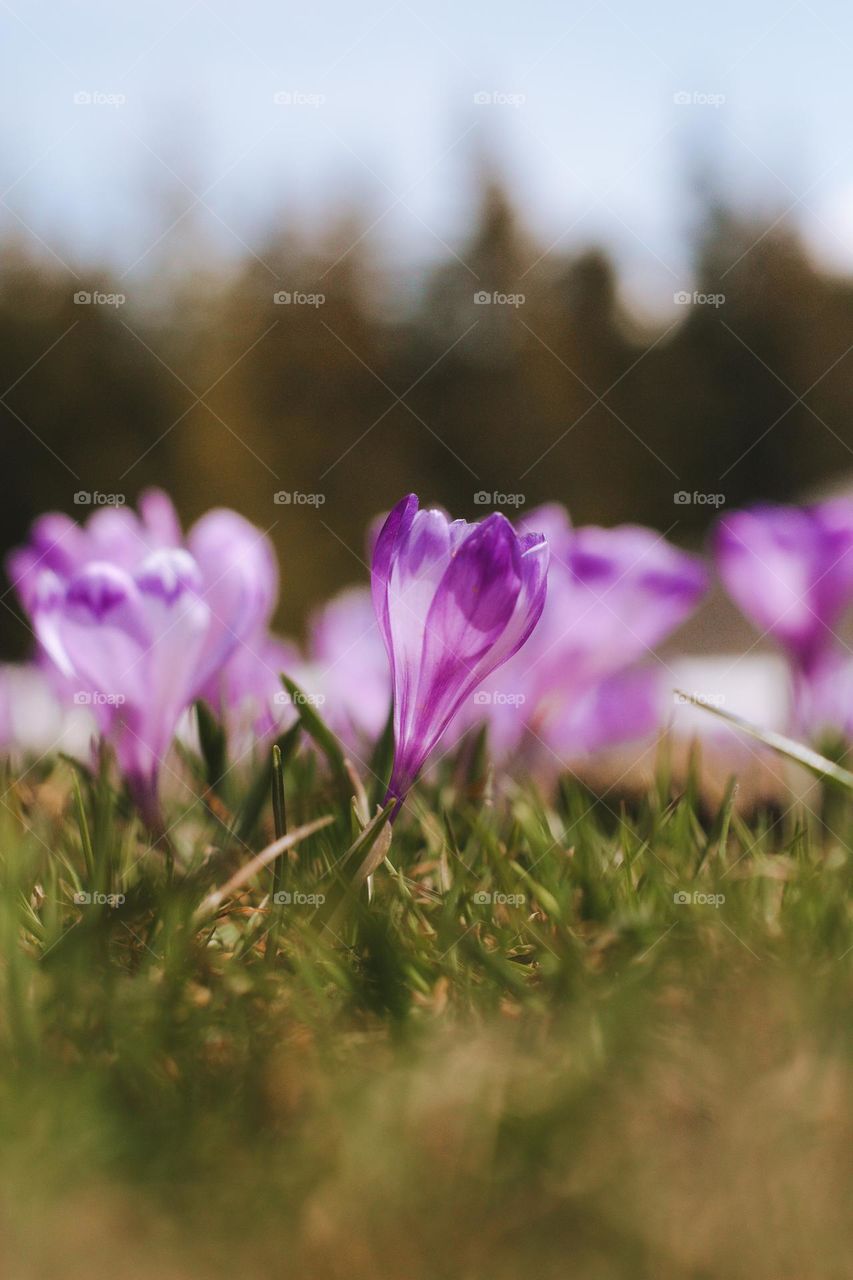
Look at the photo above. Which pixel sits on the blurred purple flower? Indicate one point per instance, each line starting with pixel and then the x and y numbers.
pixel 112 534
pixel 248 693
pixel 622 707
pixel 239 571
pixel 613 595
pixel 790 569
pixel 141 625
pixel 344 673
pixel 348 667
pixel 133 642
pixel 824 707
pixel 454 601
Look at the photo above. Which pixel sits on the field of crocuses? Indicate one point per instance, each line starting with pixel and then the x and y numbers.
pixel 367 954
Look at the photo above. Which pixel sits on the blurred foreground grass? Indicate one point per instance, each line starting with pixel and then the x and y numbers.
pixel 579 1039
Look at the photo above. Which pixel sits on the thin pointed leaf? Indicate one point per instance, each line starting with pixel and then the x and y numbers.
pixel 279 811
pixel 258 790
pixel 719 833
pixel 361 849
pixel 83 825
pixel 317 729
pixel 811 760
pixel 211 736
pixel 369 851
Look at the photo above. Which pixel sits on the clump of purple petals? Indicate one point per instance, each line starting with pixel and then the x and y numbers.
pixel 139 623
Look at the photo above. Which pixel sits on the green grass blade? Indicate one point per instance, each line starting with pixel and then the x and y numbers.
pixel 211 736
pixel 319 731
pixel 811 760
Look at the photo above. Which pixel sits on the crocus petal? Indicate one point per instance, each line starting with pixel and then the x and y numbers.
pixel 630 589
pixel 160 519
pixel 621 708
pixel 790 570
pixel 396 523
pixel 98 627
pixel 111 533
pixel 177 622
pixel 59 541
pixel 240 582
pixel 57 545
pixel 612 595
pixel 349 666
pixel 250 696
pixel 529 557
pixel 44 599
pixel 422 554
pixel 118 535
pixel 132 644
pixel 552 522
pixel 825 709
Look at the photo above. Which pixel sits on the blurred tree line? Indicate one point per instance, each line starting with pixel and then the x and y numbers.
pixel 224 395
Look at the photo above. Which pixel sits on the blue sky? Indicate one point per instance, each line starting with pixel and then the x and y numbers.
pixel 383 116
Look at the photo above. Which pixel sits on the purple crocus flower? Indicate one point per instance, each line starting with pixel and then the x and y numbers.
pixel 134 642
pixel 240 574
pixel 140 624
pixel 790 570
pixel 578 686
pixel 248 693
pixel 343 672
pixel 113 534
pixel 348 667
pixel 826 710
pixel 620 708
pixel 454 600
pixel 614 594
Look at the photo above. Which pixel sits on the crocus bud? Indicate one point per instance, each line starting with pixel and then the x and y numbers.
pixel 454 600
